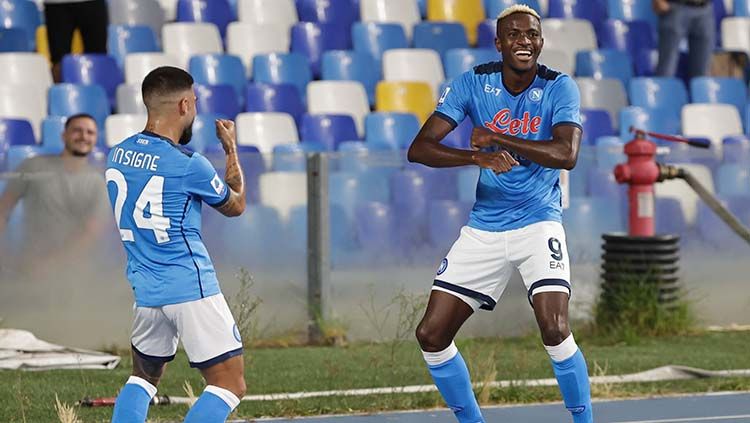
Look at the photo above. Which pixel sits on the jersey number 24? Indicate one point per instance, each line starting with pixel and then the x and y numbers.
pixel 150 196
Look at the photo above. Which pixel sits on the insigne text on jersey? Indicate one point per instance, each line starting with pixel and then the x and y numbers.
pixel 135 159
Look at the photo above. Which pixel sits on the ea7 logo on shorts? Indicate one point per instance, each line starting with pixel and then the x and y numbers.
pixel 444 95
pixel 217 185
pixel 555 246
pixel 443 266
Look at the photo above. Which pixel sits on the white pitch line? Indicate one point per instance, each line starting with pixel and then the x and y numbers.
pixel 691 419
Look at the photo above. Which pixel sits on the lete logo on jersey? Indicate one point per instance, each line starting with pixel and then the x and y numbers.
pixel 503 123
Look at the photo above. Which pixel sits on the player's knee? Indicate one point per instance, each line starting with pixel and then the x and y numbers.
pixel 431 339
pixel 241 388
pixel 150 378
pixel 554 332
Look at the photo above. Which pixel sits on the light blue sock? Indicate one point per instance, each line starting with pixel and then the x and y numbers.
pixel 451 377
pixel 213 406
pixel 131 405
pixel 573 378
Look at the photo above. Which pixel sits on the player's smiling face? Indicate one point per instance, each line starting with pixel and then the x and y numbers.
pixel 519 40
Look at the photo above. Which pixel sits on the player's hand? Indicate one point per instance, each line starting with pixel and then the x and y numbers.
pixel 226 133
pixel 498 161
pixel 482 138
pixel 660 6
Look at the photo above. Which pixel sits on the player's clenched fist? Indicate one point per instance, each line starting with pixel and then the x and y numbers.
pixel 498 161
pixel 226 134
pixel 481 138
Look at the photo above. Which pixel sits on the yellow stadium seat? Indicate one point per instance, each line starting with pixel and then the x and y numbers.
pixel 399 96
pixel 468 12
pixel 42 46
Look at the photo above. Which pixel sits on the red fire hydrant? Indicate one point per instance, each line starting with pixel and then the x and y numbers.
pixel 640 172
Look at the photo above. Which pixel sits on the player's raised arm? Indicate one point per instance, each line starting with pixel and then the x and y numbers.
pixel 233 176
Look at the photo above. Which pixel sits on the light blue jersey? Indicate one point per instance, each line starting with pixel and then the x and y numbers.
pixel 529 193
pixel 156 188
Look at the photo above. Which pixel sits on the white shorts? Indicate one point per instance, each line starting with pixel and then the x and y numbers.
pixel 206 326
pixel 479 265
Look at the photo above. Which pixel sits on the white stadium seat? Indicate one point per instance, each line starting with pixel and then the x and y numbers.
pixel 568 35
pixel 23 101
pixel 119 127
pixel 247 40
pixel 339 97
pixel 283 191
pixel 557 60
pixel 170 9
pixel 185 39
pixel 283 12
pixel 25 68
pixel 735 34
pixel 130 100
pixel 713 121
pixel 404 12
pixel 266 130
pixel 607 94
pixel 682 192
pixel 138 65
pixel 414 64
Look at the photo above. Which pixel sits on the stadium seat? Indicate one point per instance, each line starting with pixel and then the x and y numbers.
pixel 138 65
pixel 219 69
pixel 15 132
pixel 558 60
pixel 182 40
pixel 736 34
pixel 14 40
pixel 280 12
pixel 716 233
pixel 353 156
pixel 604 63
pixel 247 40
pixel 666 94
pixel 93 69
pixel 375 225
pixel 22 15
pixel 467 184
pixel 569 35
pixel 719 90
pixel 588 219
pixel 395 129
pixel 486 31
pixel 328 129
pixel 601 183
pixel 403 12
pixel 460 136
pixel 374 38
pixel 345 191
pixel 279 68
pixel 283 98
pixel 442 183
pixel 445 219
pixel 607 94
pixel 596 123
pixel 283 200
pixel 341 12
pixel 630 37
pixel 137 12
pixel 123 40
pixel 633 10
pixel 408 97
pixel 217 12
pixel 121 126
pixel 220 100
pixel 130 99
pixel 71 99
pixel 18 153
pixel 339 97
pixel 653 120
pixel 347 65
pixel 22 101
pixel 713 121
pixel 594 11
pixel 440 36
pixel 342 233
pixel 25 68
pixel 265 249
pixel 459 60
pixel 467 12
pixel 737 149
pixel 409 201
pixel 265 130
pixel 52 129
pixel 413 64
pixel 312 39
pixel 288 158
pixel 493 8
pixel 609 152
pixel 669 218
pixel 681 191
pixel 741 8
pixel 733 179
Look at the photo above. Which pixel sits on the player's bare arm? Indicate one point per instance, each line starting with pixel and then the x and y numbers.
pixel 561 152
pixel 233 176
pixel 427 150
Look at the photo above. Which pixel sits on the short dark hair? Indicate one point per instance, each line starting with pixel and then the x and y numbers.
pixel 165 80
pixel 70 119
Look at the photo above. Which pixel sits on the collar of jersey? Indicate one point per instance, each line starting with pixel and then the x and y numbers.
pixel 155 135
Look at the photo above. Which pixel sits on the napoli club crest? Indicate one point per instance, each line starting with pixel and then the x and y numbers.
pixel 535 95
pixel 443 266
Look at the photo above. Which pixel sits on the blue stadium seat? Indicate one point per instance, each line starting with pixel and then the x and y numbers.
pixel 219 69
pixel 667 95
pixel 349 65
pixel 605 63
pixel 347 189
pixel 392 128
pixel 15 132
pixel 707 89
pixel 601 183
pixel 52 129
pixel 440 36
pixel 342 232
pixel 374 38
pixel 284 98
pixel 653 120
pixel 23 15
pixel 459 60
pixel 375 225
pixel 609 152
pixel 737 149
pixel 716 233
pixel 460 136
pixel 265 247
pixel 312 39
pixel 633 10
pixel 588 219
pixel 279 68
pixel 442 184
pixel 125 39
pixel 492 8
pixel 342 12
pixel 645 61
pixel 71 99
pixel 445 219
pixel 733 179
pixel 93 69
pixel 16 154
pixel 592 10
pixel 328 129
pixel 669 218
pixel 220 100
pixel 353 156
pixel 486 31
pixel 596 123
pixel 467 184
pixel 204 134
pixel 13 40
pixel 217 12
pixel 630 37
pixel 409 201
pixel 289 158
pixel 741 8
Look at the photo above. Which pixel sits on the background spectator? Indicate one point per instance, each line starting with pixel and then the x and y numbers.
pixel 678 19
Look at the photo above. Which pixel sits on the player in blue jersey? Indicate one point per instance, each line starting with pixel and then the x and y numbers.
pixel 156 187
pixel 526 128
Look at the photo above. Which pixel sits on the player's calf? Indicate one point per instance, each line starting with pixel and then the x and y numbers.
pixel 226 387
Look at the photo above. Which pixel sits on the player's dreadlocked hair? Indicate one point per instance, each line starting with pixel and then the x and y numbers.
pixel 164 81
pixel 517 8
